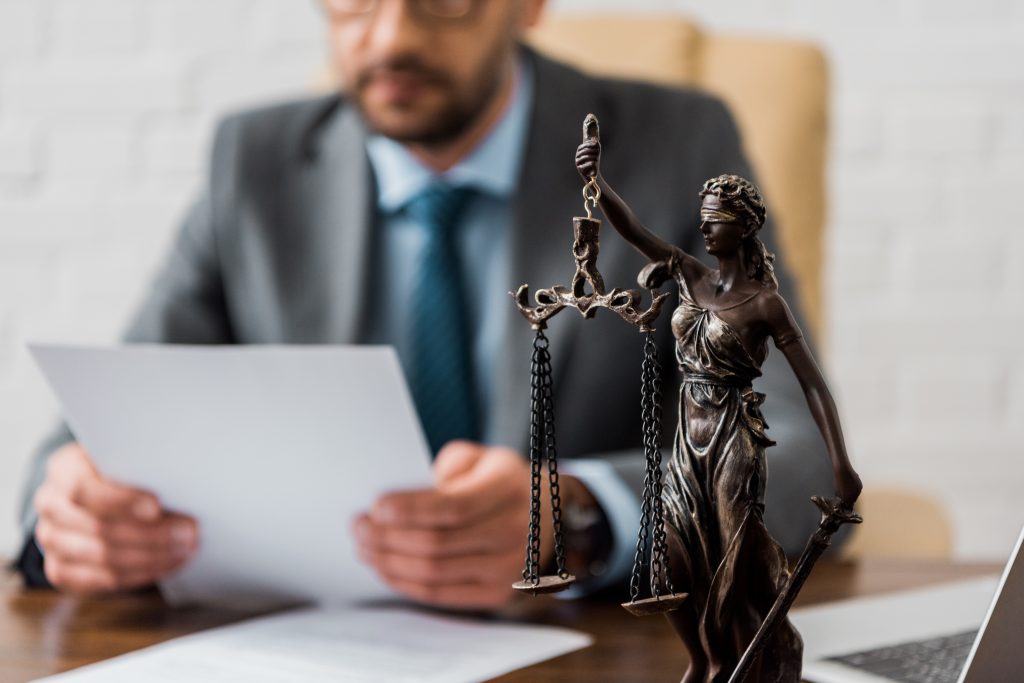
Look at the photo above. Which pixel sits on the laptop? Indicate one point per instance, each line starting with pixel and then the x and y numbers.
pixel 966 632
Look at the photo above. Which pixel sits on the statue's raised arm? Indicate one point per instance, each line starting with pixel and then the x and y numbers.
pixel 618 213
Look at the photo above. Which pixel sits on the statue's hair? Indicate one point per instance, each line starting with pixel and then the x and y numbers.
pixel 744 199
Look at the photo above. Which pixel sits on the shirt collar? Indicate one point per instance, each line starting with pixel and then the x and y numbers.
pixel 492 166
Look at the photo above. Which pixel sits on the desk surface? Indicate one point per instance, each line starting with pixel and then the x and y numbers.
pixel 42 632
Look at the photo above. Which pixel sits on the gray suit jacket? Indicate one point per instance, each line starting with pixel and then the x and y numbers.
pixel 276 250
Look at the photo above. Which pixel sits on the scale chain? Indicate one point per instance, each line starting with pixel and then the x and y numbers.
pixel 531 571
pixel 548 404
pixel 649 508
pixel 652 490
pixel 660 573
pixel 641 542
pixel 652 518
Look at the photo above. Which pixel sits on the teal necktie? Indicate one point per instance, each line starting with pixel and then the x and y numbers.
pixel 439 363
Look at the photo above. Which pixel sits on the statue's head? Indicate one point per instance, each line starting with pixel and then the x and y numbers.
pixel 739 196
pixel 732 215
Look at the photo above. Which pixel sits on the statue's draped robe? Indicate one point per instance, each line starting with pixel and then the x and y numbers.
pixel 721 552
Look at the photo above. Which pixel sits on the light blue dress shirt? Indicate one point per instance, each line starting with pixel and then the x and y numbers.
pixel 493 170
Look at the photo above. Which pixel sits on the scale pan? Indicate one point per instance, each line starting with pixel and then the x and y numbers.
pixel 546 584
pixel 658 605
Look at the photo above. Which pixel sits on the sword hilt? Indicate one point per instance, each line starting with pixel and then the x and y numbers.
pixel 834 513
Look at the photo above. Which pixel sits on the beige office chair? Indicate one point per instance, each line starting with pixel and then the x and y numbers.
pixel 901 523
pixel 777 90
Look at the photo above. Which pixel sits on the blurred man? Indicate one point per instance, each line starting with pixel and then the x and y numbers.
pixel 402 212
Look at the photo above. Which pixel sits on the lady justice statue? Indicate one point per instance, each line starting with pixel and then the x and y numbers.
pixel 719 550
pixel 713 569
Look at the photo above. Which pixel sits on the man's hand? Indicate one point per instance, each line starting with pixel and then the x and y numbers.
pixel 463 543
pixel 99 536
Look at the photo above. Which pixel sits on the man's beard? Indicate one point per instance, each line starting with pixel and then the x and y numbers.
pixel 458 112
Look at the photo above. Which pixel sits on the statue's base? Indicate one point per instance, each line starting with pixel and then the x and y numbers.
pixel 658 605
pixel 546 584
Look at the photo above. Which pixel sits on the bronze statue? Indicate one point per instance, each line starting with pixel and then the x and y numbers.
pixel 719 548
pixel 705 521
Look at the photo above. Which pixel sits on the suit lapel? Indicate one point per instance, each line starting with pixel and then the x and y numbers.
pixel 336 195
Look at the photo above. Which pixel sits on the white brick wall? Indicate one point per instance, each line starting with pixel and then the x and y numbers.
pixel 107 107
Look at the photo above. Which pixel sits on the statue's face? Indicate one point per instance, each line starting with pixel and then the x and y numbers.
pixel 418 78
pixel 722 235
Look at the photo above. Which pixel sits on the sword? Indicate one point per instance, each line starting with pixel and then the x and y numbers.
pixel 833 515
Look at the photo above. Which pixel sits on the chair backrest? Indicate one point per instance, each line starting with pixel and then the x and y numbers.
pixel 901 523
pixel 776 89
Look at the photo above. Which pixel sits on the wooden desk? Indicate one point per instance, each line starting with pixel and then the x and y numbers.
pixel 42 632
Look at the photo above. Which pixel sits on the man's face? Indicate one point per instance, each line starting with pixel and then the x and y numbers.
pixel 419 79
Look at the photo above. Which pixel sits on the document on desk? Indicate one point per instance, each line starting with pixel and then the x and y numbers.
pixel 273 449
pixel 339 646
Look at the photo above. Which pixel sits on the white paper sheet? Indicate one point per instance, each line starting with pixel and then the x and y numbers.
pixel 339 646
pixel 273 449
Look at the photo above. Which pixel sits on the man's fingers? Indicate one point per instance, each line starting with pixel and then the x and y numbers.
pixel 78 578
pixel 170 529
pixel 98 536
pixel 53 506
pixel 432 508
pixel 69 545
pixel 499 472
pixel 419 542
pixel 129 562
pixel 76 548
pixel 71 479
pixel 455 459
pixel 490 480
pixel 107 499
pixel 443 571
pixel 87 554
pixel 492 535
pixel 459 545
pixel 67 464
